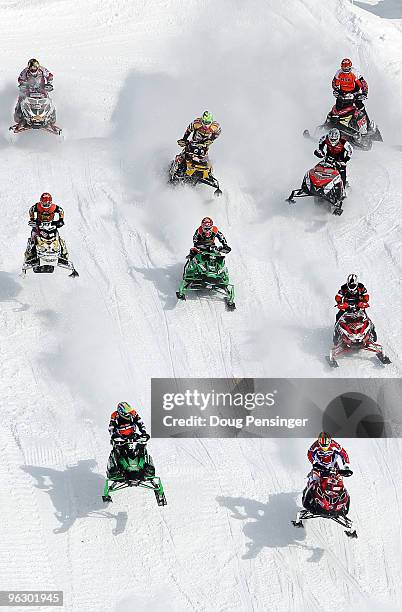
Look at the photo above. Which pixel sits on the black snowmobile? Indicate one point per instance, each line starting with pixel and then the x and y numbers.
pixel 351 122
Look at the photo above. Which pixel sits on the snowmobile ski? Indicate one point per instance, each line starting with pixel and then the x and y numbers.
pixel 383 358
pixel 331 361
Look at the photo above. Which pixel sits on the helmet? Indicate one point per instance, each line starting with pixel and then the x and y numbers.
pixel 346 64
pixel 206 226
pixel 46 200
pixel 207 118
pixel 324 440
pixel 33 65
pixel 351 283
pixel 207 223
pixel 334 136
pixel 124 409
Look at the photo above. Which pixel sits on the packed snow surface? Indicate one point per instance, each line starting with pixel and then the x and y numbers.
pixel 129 77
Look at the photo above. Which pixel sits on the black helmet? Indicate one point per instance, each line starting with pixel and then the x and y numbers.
pixel 351 283
pixel 33 65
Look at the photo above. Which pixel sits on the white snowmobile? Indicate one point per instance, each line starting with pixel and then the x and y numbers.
pixel 46 250
pixel 37 111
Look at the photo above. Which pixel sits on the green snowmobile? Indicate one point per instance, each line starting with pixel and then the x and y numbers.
pixel 205 269
pixel 130 465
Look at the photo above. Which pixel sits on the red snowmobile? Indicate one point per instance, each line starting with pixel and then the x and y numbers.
pixel 322 182
pixel 327 498
pixel 351 122
pixel 355 331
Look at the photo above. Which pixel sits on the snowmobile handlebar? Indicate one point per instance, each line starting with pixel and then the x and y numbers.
pixel 120 441
pixel 332 471
pixel 345 473
pixel 346 307
pixel 32 89
pixel 213 250
pixel 331 161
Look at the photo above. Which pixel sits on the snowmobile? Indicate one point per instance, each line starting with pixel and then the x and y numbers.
pixel 327 498
pixel 205 269
pixel 198 168
pixel 130 465
pixel 352 123
pixel 37 110
pixel 323 182
pixel 355 331
pixel 47 251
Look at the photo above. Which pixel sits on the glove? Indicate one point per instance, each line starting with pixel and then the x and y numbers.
pixel 341 164
pixel 336 93
pixel 343 306
pixel 181 142
pixel 224 249
pixel 58 223
pixel 362 305
pixel 48 87
pixel 32 223
pixel 145 436
pixel 318 153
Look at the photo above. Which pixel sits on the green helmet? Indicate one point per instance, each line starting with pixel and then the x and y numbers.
pixel 124 409
pixel 207 118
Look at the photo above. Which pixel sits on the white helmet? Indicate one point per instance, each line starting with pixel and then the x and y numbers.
pixel 334 136
pixel 351 283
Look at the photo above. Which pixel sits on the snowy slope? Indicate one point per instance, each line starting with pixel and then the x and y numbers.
pixel 129 76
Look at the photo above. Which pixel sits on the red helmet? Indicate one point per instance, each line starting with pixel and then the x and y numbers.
pixel 346 64
pixel 46 200
pixel 206 225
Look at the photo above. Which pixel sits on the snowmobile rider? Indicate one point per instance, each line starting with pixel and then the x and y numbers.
pixel 352 293
pixel 205 235
pixel 204 131
pixel 44 211
pixel 332 145
pixel 325 453
pixel 349 80
pixel 33 77
pixel 125 421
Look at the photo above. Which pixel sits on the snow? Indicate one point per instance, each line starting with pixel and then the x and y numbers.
pixel 129 76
